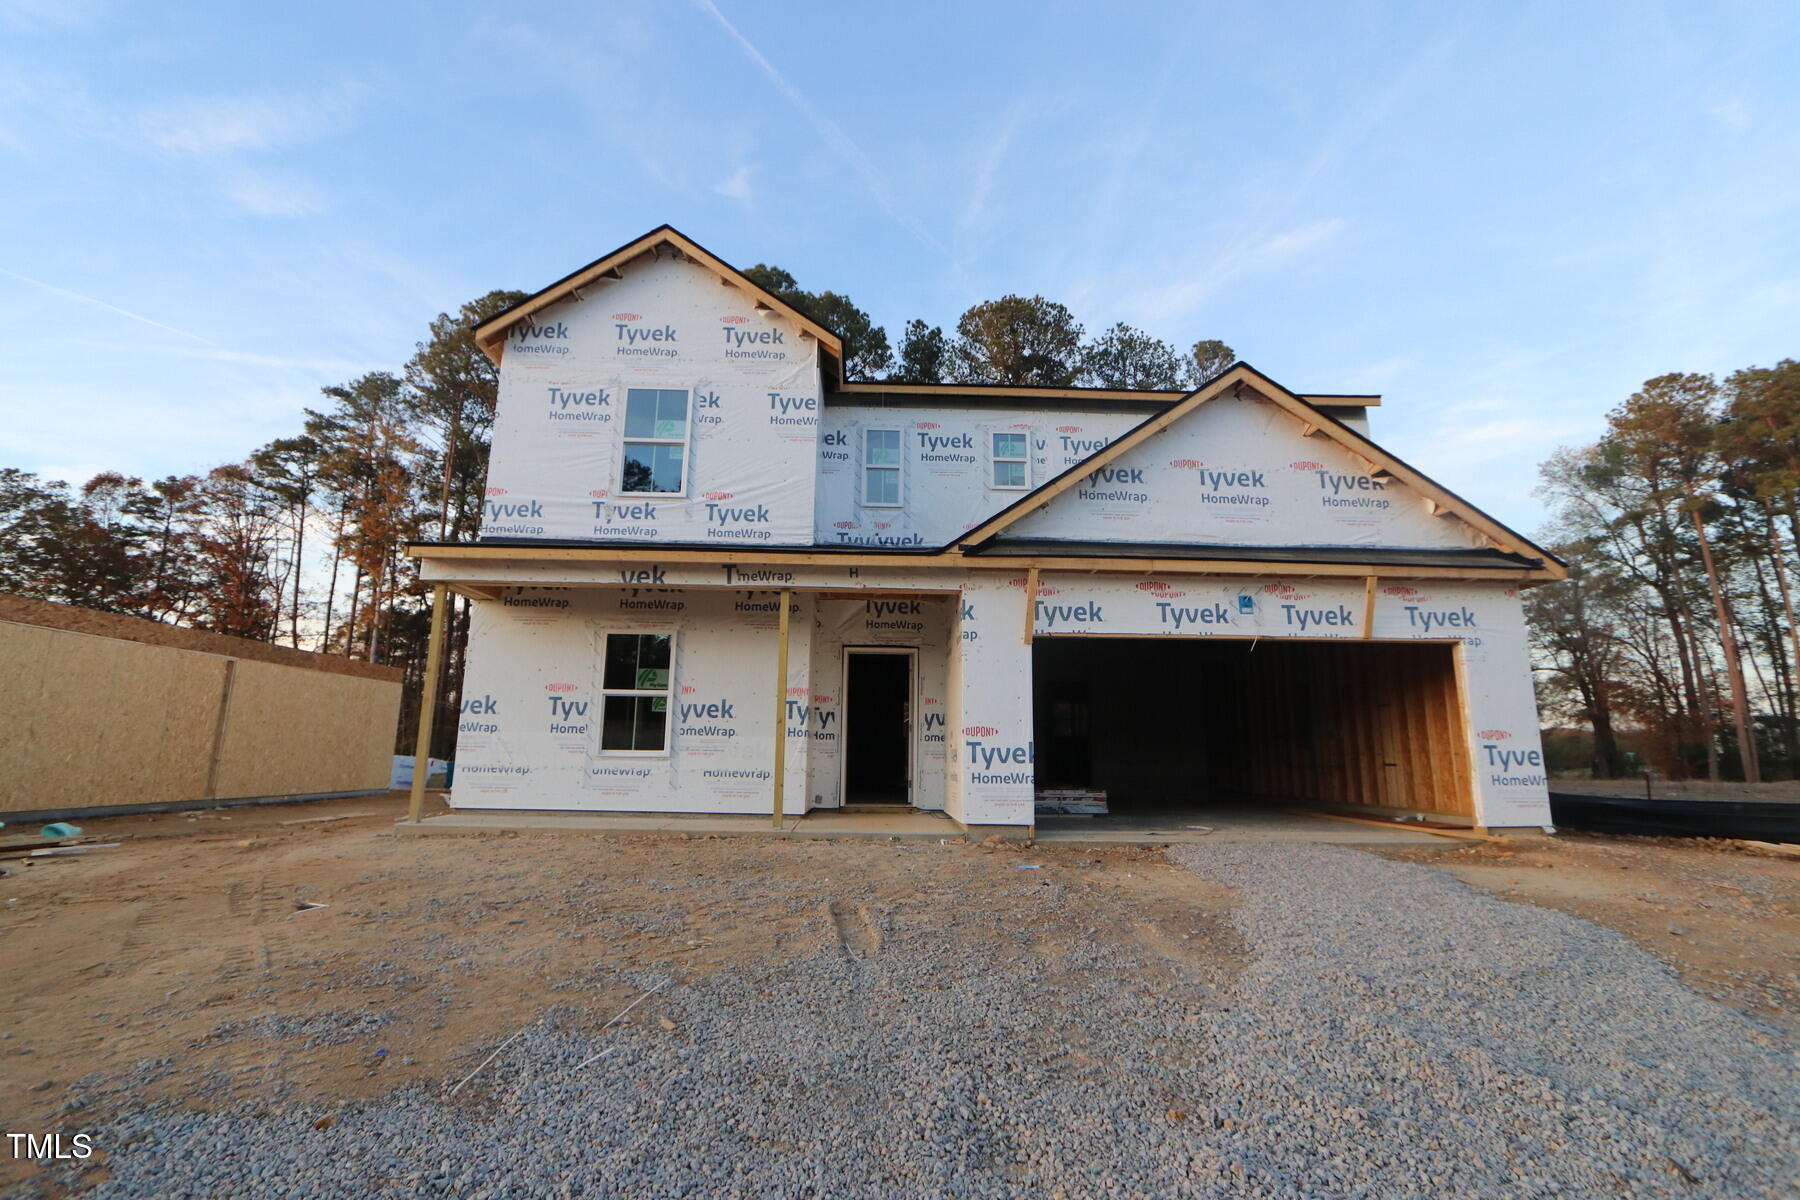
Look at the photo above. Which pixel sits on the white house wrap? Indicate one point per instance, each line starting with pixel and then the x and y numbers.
pixel 1226 595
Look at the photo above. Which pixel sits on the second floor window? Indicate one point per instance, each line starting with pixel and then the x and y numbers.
pixel 1011 461
pixel 656 442
pixel 881 467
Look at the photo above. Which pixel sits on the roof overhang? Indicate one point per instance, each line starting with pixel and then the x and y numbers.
pixel 476 563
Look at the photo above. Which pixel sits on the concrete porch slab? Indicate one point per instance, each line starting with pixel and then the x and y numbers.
pixel 913 825
pixel 903 825
pixel 1222 825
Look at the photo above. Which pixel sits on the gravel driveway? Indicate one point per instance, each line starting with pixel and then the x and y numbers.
pixel 1358 1028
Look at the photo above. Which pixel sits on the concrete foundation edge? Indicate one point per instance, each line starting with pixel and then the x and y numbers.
pixel 30 816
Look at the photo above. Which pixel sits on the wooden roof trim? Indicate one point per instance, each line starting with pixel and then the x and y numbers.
pixel 477 556
pixel 1002 390
pixel 490 335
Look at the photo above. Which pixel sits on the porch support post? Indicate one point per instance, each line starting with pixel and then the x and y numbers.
pixel 434 660
pixel 781 674
pixel 1368 630
pixel 1031 594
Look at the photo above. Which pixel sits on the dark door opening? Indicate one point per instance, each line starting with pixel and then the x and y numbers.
pixel 877 727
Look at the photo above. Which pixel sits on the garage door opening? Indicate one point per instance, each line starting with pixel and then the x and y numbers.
pixel 1173 726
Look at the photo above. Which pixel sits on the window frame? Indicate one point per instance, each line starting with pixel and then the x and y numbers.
pixel 685 441
pixel 898 467
pixel 995 459
pixel 668 693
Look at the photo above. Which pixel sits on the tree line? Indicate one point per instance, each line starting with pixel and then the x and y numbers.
pixel 1673 646
pixel 302 542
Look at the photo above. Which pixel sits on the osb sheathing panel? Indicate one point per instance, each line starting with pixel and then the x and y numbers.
pixel 292 731
pixel 88 721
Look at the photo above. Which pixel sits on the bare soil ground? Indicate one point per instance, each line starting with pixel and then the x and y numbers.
pixel 186 942
pixel 1727 918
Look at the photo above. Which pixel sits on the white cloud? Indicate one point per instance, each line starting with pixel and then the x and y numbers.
pixel 35 15
pixel 832 133
pixel 736 186
pixel 1193 284
pixel 1296 242
pixel 267 195
pixel 98 303
pixel 1734 114
pixel 229 124
pixel 992 154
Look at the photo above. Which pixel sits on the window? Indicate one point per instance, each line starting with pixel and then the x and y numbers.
pixel 656 437
pixel 881 467
pixel 634 693
pixel 1010 456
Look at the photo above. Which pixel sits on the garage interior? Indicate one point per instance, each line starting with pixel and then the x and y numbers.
pixel 1174 726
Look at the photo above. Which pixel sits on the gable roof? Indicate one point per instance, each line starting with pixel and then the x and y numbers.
pixel 490 335
pixel 1315 423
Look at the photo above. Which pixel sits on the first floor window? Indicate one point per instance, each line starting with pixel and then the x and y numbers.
pixel 1011 461
pixel 635 681
pixel 881 467
pixel 656 441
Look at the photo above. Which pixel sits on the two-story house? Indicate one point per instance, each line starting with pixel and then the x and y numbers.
pixel 716 577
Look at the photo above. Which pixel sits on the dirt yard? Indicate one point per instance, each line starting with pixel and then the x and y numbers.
pixel 183 967
pixel 187 943
pixel 1727 918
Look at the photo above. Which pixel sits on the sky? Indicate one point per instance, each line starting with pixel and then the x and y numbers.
pixel 1502 217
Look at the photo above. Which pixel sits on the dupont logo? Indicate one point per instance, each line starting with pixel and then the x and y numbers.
pixel 1021 425
pixel 1068 429
pixel 600 493
pixel 843 524
pixel 1049 591
pixel 1186 464
pixel 822 698
pixel 1152 585
pixel 979 731
pixel 1493 735
pixel 687 689
pixel 718 496
pixel 734 319
pixel 930 700
pixel 560 687
pixel 496 492
pixel 1404 592
pixel 1286 591
pixel 628 316
pixel 799 692
pixel 1305 464
pixel 884 524
pixel 927 425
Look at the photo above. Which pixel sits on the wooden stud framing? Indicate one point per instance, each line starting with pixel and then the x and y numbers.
pixel 1031 595
pixel 1368 608
pixel 781 675
pixel 1368 725
pixel 434 658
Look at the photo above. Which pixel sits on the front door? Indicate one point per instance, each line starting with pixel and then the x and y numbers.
pixel 878 693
